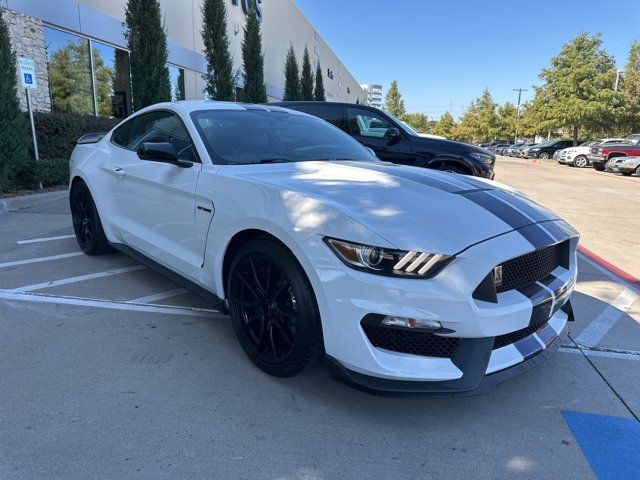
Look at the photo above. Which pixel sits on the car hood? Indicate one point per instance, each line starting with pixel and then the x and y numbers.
pixel 411 208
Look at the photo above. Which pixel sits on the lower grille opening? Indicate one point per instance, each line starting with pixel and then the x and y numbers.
pixel 409 341
pixel 513 337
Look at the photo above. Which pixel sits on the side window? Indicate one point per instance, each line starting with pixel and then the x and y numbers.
pixel 367 123
pixel 156 127
pixel 329 113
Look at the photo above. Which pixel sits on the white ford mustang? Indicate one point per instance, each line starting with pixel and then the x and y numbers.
pixel 407 280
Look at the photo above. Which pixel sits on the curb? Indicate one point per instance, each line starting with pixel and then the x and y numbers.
pixel 626 278
pixel 13 204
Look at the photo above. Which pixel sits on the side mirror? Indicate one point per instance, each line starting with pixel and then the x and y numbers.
pixel 392 133
pixel 164 152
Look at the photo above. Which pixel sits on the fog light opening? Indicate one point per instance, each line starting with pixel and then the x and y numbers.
pixel 422 324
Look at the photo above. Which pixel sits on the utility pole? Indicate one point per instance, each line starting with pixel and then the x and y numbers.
pixel 519 90
pixel 618 74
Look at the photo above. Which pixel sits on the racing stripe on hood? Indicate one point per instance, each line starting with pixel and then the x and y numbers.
pixel 501 205
pixel 450 185
pixel 515 210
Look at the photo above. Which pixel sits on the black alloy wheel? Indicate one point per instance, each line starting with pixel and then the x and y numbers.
pixel 273 309
pixel 86 221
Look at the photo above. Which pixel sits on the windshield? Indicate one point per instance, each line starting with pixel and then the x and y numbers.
pixel 634 138
pixel 235 137
pixel 404 126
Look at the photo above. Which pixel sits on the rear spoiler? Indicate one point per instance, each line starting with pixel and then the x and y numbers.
pixel 91 138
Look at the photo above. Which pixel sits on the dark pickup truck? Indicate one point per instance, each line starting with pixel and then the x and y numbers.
pixel 601 154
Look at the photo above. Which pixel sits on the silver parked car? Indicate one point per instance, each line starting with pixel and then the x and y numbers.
pixel 625 165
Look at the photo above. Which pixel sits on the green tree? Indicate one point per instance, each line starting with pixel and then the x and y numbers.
pixel 480 120
pixel 70 79
pixel 306 81
pixel 291 77
pixel 105 78
pixel 419 121
pixel 253 61
pixel 219 78
pixel 577 93
pixel 631 90
pixel 318 92
pixel 445 126
pixel 14 139
pixel 393 101
pixel 507 121
pixel 147 42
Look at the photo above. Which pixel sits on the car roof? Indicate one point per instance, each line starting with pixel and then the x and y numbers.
pixel 198 105
pixel 314 102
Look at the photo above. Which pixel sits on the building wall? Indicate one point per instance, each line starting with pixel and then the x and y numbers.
pixel 283 24
pixel 27 40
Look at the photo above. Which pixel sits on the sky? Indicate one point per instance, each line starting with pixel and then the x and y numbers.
pixel 443 53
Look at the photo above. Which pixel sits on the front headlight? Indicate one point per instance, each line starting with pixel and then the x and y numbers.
pixel 483 157
pixel 394 263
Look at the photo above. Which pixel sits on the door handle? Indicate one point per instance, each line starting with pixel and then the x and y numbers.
pixel 119 171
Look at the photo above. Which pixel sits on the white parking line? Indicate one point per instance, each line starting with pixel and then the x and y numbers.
pixel 47 239
pixel 40 259
pixel 79 278
pixel 600 326
pixel 602 353
pixel 159 296
pixel 91 302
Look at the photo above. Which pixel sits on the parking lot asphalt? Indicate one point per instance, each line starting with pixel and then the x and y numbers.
pixel 604 207
pixel 109 371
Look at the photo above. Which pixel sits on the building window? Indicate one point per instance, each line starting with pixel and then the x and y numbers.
pixel 69 68
pixel 99 84
pixel 176 77
pixel 112 80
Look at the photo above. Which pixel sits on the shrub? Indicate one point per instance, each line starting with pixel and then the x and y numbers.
pixel 58 132
pixel 14 133
pixel 52 172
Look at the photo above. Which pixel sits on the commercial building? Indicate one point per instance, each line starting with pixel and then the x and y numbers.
pixel 374 94
pixel 82 63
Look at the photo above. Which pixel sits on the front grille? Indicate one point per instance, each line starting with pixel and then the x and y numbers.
pixel 534 266
pixel 410 341
pixel 513 337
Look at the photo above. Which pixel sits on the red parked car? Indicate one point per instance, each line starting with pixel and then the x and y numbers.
pixel 601 154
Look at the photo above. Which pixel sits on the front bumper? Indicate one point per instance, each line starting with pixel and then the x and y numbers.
pixel 346 296
pixel 476 359
pixel 596 159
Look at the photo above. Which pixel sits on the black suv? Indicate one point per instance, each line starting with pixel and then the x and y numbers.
pixel 394 141
pixel 547 149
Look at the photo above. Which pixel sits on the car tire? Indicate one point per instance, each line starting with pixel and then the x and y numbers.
pixel 543 156
pixel 599 167
pixel 273 309
pixel 87 225
pixel 580 161
pixel 638 171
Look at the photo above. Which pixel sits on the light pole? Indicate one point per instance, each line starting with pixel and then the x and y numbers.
pixel 519 90
pixel 619 73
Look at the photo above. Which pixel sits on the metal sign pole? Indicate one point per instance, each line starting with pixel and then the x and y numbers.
pixel 33 130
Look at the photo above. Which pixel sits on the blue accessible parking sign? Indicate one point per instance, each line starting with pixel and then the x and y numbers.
pixel 27 68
